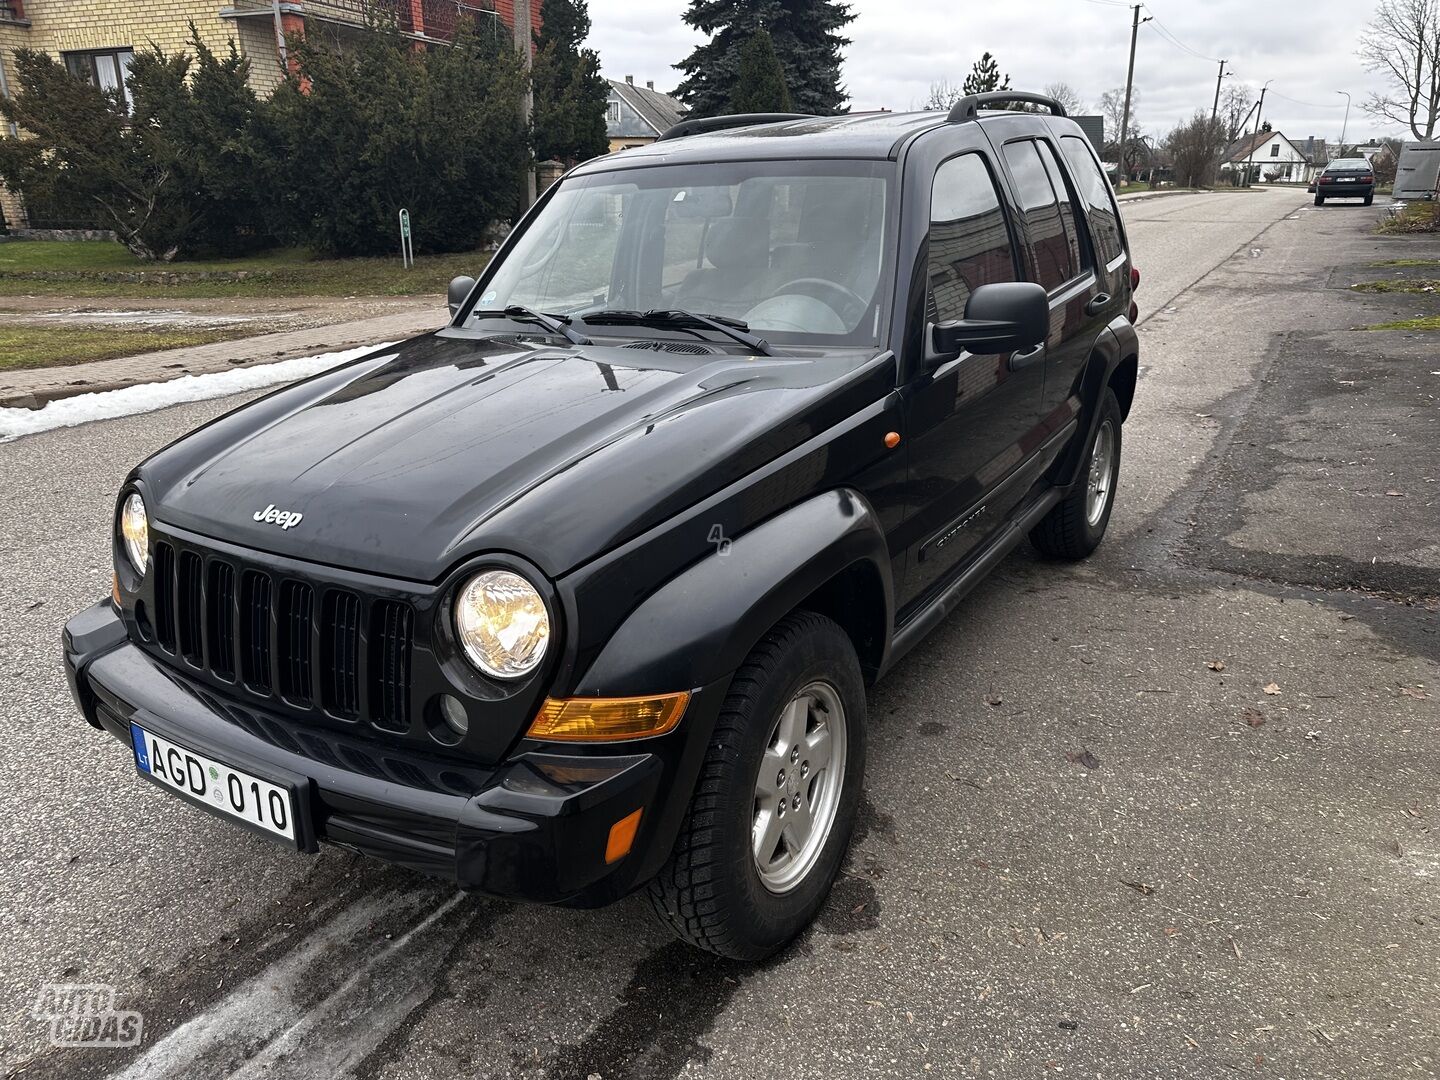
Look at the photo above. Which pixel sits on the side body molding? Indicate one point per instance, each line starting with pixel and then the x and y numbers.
pixel 700 625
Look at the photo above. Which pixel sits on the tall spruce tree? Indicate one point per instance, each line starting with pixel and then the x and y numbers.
pixel 806 38
pixel 985 76
pixel 569 110
pixel 760 86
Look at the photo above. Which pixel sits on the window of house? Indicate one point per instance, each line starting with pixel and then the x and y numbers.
pixel 1096 194
pixel 5 92
pixel 969 240
pixel 612 111
pixel 1275 149
pixel 1052 248
pixel 107 69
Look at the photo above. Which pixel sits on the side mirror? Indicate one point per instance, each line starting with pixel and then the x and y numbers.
pixel 459 289
pixel 1005 317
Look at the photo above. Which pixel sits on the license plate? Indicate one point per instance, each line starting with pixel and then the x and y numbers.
pixel 260 804
pixel 1347 180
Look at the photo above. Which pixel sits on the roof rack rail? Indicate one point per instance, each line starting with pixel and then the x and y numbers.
pixel 722 123
pixel 969 106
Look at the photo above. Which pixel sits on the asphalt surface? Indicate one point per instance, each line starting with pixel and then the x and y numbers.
pixel 1093 842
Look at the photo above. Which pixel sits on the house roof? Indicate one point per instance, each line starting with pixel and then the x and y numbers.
pixel 1243 147
pixel 660 111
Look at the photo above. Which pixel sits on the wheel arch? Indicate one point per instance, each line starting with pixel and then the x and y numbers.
pixel 827 554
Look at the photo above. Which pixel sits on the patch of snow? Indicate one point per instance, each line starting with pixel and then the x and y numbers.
pixel 149 317
pixel 148 397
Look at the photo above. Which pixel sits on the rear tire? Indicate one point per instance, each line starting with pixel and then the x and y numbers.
pixel 765 754
pixel 1369 198
pixel 1076 524
pixel 1319 200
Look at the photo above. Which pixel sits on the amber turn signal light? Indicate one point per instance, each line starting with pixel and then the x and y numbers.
pixel 622 837
pixel 607 719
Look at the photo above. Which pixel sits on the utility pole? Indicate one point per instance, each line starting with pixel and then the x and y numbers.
pixel 523 37
pixel 1215 109
pixel 1259 108
pixel 1346 125
pixel 1129 86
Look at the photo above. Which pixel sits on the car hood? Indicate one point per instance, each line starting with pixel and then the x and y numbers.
pixel 407 461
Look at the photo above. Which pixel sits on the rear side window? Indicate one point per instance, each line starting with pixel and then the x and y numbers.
pixel 1053 249
pixel 1069 213
pixel 969 241
pixel 1096 195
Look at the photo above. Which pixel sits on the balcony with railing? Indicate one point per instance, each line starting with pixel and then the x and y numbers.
pixel 431 20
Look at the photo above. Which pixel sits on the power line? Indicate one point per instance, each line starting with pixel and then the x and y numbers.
pixel 1307 104
pixel 1165 32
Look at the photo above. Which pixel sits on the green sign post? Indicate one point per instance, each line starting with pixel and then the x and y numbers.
pixel 407 248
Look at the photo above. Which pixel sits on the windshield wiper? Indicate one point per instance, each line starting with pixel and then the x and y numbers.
pixel 556 324
pixel 734 329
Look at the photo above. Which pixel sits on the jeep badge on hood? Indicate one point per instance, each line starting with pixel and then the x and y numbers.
pixel 286 519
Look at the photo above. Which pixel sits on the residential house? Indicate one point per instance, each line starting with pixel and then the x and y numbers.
pixel 97 38
pixel 637 115
pixel 1272 158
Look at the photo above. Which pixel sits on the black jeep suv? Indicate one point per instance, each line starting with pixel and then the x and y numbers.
pixel 581 593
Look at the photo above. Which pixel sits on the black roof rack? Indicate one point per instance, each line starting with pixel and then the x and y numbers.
pixel 968 107
pixel 722 123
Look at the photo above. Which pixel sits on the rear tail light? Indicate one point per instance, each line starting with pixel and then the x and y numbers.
pixel 1134 279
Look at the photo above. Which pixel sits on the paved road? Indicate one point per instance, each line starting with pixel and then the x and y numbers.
pixel 1213 897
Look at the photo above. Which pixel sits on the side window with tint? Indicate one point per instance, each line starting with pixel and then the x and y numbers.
pixel 1052 249
pixel 969 243
pixel 1069 213
pixel 1096 195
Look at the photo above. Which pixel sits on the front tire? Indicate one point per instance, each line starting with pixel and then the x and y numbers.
pixel 775 805
pixel 1076 524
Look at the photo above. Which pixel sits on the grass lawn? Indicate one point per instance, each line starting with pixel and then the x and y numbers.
pixel 105 269
pixel 48 346
pixel 1422 322
pixel 1405 285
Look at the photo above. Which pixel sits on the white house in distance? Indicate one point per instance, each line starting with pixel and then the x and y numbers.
pixel 1276 158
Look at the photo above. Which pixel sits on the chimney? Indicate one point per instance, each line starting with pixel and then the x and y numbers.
pixel 630 79
pixel 649 84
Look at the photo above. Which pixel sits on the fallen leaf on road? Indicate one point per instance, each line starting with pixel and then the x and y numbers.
pixel 1396 494
pixel 1216 665
pixel 1271 688
pixel 994 701
pixel 1139 886
pixel 1252 716
pixel 1084 757
pixel 1413 691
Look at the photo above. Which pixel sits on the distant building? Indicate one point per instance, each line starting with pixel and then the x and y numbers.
pixel 96 39
pixel 1273 158
pixel 637 115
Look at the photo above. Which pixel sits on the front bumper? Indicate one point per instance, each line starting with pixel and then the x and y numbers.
pixel 533 827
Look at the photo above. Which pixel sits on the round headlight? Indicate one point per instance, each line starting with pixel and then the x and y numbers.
pixel 502 623
pixel 135 532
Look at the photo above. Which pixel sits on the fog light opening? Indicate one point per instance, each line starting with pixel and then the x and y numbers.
pixel 452 711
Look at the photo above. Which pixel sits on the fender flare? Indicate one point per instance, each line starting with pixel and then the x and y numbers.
pixel 700 625
pixel 1107 354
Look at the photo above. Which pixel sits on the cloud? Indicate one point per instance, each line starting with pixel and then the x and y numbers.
pixel 1306 49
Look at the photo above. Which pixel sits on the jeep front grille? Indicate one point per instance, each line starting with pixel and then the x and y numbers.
pixel 307 644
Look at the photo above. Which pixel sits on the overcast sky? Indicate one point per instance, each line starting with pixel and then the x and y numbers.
pixel 1307 47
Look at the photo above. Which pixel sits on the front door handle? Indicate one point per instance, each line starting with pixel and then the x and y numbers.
pixel 1027 357
pixel 1098 304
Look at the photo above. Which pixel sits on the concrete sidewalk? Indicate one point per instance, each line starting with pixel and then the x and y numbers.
pixel 33 387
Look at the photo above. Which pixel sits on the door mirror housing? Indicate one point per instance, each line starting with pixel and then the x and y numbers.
pixel 459 289
pixel 1006 317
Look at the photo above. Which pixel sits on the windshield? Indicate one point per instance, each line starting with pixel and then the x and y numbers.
pixel 794 250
